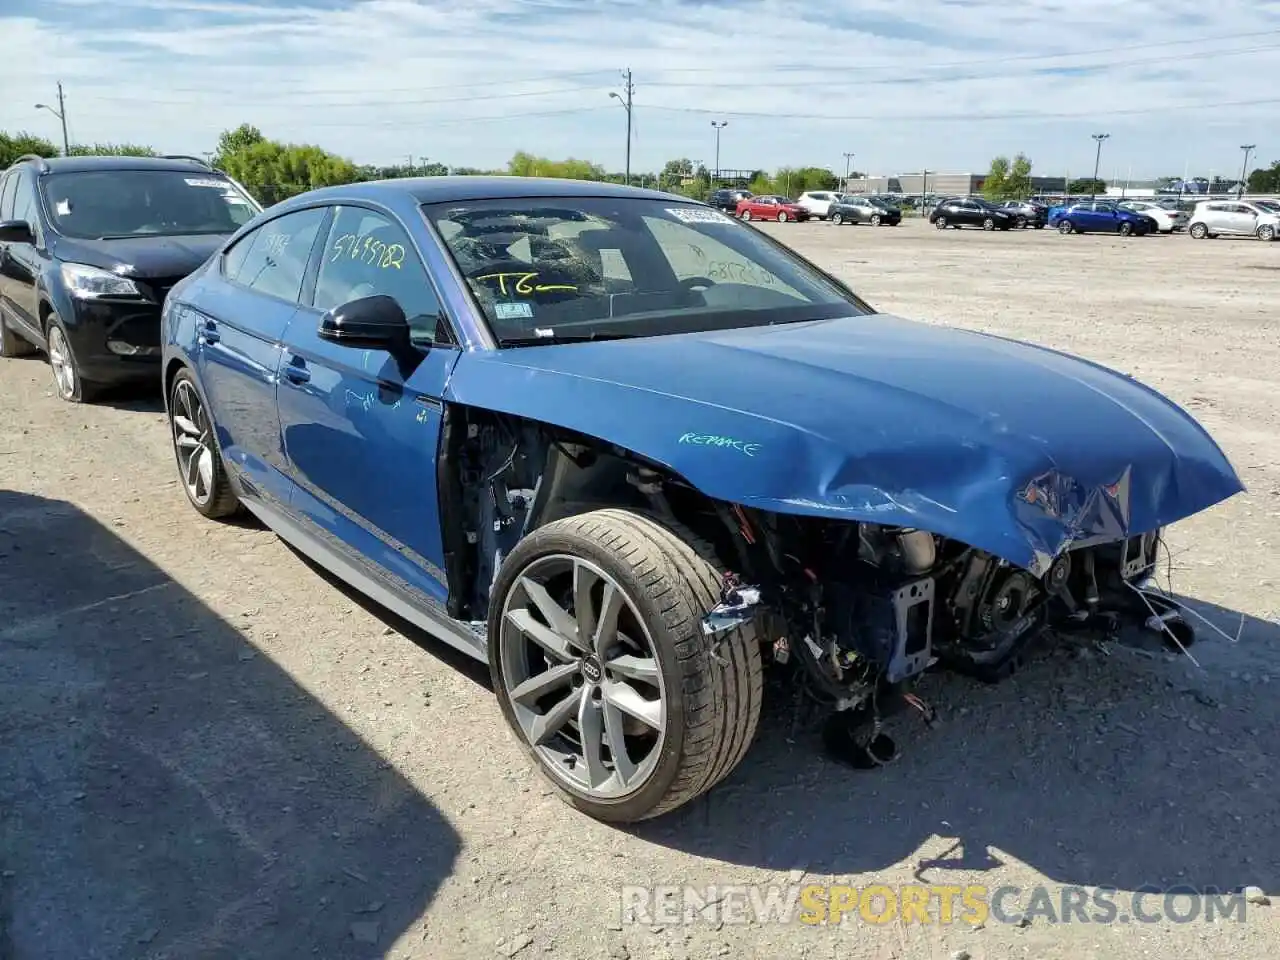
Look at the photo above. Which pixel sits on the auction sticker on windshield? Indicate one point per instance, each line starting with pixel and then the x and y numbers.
pixel 205 182
pixel 697 215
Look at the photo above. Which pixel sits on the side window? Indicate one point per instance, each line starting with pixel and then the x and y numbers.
pixel 277 254
pixel 7 186
pixel 233 259
pixel 369 254
pixel 24 201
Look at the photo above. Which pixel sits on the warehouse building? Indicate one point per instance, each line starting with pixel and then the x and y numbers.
pixel 939 184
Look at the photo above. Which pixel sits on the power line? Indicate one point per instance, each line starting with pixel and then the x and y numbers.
pixel 965 115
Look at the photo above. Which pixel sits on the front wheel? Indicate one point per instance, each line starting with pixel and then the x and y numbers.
pixel 195 446
pixel 1198 231
pixel 941 223
pixel 837 218
pixel 67 381
pixel 782 216
pixel 875 219
pixel 988 224
pixel 1126 229
pixel 1267 232
pixel 1066 227
pixel 602 669
pixel 1020 223
pixel 745 215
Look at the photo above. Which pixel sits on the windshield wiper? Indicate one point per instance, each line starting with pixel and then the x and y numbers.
pixel 564 338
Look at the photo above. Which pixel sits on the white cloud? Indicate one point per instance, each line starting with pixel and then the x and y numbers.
pixel 944 86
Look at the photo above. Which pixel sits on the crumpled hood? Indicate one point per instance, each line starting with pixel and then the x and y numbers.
pixel 142 257
pixel 1016 449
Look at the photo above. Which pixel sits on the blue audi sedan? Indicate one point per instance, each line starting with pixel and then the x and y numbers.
pixel 631 453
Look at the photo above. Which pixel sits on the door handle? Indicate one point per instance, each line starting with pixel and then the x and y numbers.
pixel 296 371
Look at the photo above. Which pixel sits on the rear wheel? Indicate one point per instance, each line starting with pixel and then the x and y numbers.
pixel 1020 223
pixel 837 219
pixel 941 223
pixel 204 479
pixel 603 672
pixel 1066 226
pixel 1199 231
pixel 988 223
pixel 745 215
pixel 1126 229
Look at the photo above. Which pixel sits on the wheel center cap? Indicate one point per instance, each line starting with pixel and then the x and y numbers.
pixel 592 672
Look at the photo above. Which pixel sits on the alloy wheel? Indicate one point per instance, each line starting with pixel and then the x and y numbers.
pixel 63 364
pixel 1266 233
pixel 582 677
pixel 193 443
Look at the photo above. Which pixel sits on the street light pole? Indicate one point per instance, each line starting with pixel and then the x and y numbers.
pixel 848 159
pixel 719 125
pixel 61 114
pixel 1248 149
pixel 1097 160
pixel 630 89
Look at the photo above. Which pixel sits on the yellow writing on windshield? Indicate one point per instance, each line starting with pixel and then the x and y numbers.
pixel 523 283
pixel 367 250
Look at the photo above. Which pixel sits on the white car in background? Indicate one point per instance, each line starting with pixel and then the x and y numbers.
pixel 818 202
pixel 1234 218
pixel 1169 220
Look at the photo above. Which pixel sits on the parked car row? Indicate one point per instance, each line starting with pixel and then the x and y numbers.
pixel 838 208
pixel 516 413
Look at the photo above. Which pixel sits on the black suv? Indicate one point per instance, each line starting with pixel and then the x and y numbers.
pixel 90 246
pixel 729 198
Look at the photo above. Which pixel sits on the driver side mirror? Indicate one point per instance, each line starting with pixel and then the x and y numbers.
pixel 16 231
pixel 370 323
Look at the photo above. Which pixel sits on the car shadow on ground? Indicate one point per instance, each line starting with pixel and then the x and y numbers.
pixel 166 790
pixel 1124 769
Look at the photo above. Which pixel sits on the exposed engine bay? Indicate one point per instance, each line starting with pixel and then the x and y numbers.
pixel 856 611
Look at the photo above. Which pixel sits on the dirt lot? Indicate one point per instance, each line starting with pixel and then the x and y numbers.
pixel 209 750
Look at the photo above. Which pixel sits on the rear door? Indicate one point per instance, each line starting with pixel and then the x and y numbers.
pixel 23 262
pixel 362 427
pixel 246 304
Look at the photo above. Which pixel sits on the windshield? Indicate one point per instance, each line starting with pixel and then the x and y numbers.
pixel 543 269
pixel 103 204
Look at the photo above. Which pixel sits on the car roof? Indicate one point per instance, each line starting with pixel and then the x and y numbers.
pixel 84 164
pixel 450 189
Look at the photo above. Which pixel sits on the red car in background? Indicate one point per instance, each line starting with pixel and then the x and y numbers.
pixel 770 208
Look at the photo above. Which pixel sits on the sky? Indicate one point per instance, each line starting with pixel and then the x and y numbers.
pixel 939 84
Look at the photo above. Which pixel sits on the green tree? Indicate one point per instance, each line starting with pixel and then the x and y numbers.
pixel 275 171
pixel 233 141
pixel 111 150
pixel 1265 179
pixel 1087 185
pixel 1018 183
pixel 14 145
pixel 527 165
pixel 996 182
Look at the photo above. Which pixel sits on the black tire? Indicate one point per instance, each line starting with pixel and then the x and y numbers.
pixel 989 223
pixel 875 219
pixel 1198 231
pixel 713 685
pixel 940 223
pixel 222 501
pixel 1066 226
pixel 1266 232
pixel 67 382
pixel 1126 229
pixel 745 215
pixel 837 218
pixel 1040 226
pixel 782 216
pixel 11 343
pixel 1021 223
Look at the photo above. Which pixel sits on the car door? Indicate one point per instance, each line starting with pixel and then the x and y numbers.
pixel 1244 219
pixel 246 304
pixel 1215 218
pixel 362 427
pixel 24 262
pixel 8 183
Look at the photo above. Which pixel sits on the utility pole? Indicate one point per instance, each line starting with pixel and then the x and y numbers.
pixel 61 114
pixel 629 89
pixel 848 159
pixel 1248 149
pixel 411 164
pixel 1097 160
pixel 719 125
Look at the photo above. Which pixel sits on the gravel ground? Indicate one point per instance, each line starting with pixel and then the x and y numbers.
pixel 207 749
